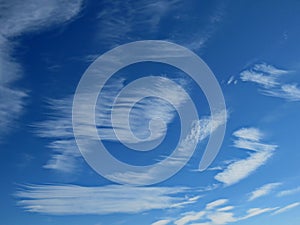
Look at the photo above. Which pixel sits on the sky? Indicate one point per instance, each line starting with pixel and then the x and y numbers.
pixel 142 115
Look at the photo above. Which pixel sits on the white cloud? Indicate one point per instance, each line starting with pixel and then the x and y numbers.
pixel 72 199
pixel 161 222
pixel 59 129
pixel 290 92
pixel 289 192
pixel 59 126
pixel 269 69
pixel 259 78
pixel 187 201
pixel 226 208
pixel 199 131
pixel 286 208
pixel 124 21
pixel 198 39
pixel 231 80
pixel 216 203
pixel 210 212
pixel 263 190
pixel 18 17
pixel 11 98
pixel 256 211
pixel 240 169
pixel 267 76
pixel 119 21
pixel 218 216
pixel 191 216
pixel 207 223
pixel 252 134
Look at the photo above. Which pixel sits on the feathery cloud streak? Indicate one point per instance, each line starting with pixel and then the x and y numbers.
pixel 267 77
pixel 247 138
pixel 74 200
pixel 19 17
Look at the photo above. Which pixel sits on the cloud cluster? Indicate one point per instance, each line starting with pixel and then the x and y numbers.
pixel 263 190
pixel 19 17
pixel 267 77
pixel 216 213
pixel 249 139
pixel 289 192
pixel 59 126
pixel 74 199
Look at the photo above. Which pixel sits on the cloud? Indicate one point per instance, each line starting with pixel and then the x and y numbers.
pixel 289 192
pixel 209 213
pixel 263 190
pixel 216 203
pixel 252 134
pixel 231 80
pixel 267 77
pixel 269 69
pixel 217 215
pixel 59 126
pixel 187 201
pixel 247 139
pixel 74 199
pixel 256 211
pixel 242 168
pixel 286 208
pixel 199 131
pixel 19 17
pixel 119 21
pixel 161 222
pixel 290 92
pixel 12 99
pixel 259 78
pixel 200 37
pixel 226 208
pixel 191 216
pixel 125 21
pixel 221 217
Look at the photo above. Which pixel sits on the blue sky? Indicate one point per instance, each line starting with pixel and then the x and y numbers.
pixel 250 46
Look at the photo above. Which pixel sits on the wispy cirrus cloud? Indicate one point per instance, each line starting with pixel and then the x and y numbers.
pixel 268 79
pixel 74 199
pixel 216 203
pixel 200 37
pixel 286 208
pixel 257 211
pixel 231 80
pixel 263 190
pixel 289 192
pixel 259 78
pixel 249 133
pixel 124 21
pixel 269 69
pixel 17 18
pixel 200 130
pixel 218 214
pixel 120 22
pixel 247 138
pixel 59 126
pixel 290 92
pixel 161 222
